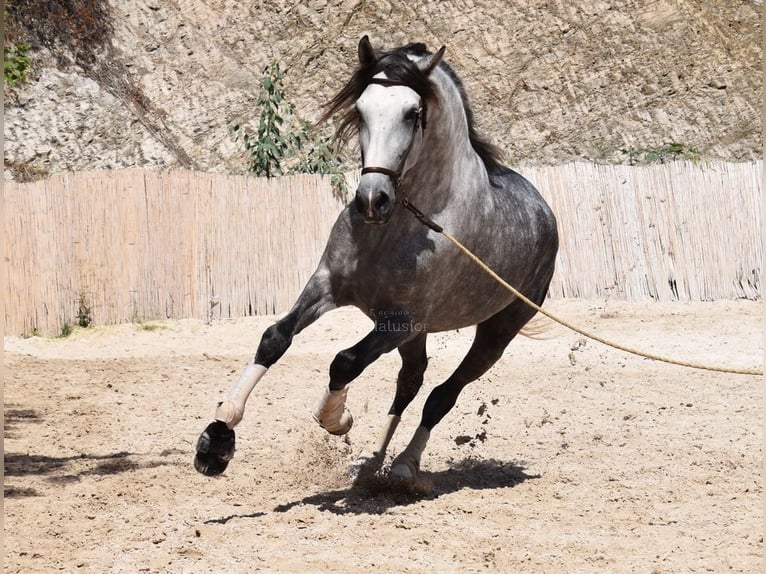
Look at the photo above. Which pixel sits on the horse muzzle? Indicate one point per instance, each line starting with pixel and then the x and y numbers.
pixel 376 195
pixel 375 205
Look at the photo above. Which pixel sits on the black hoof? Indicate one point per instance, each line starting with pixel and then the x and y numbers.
pixel 215 448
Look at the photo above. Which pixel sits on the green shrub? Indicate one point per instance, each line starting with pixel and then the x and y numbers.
pixel 276 149
pixel 268 148
pixel 84 312
pixel 16 64
pixel 74 31
pixel 66 330
pixel 672 151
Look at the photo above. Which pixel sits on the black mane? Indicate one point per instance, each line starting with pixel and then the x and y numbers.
pixel 398 67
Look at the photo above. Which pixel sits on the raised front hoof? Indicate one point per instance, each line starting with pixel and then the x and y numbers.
pixel 215 448
pixel 342 426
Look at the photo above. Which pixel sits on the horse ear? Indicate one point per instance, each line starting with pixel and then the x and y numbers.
pixel 427 65
pixel 366 52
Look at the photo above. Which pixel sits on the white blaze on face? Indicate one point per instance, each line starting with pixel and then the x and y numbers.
pixel 387 121
pixel 370 200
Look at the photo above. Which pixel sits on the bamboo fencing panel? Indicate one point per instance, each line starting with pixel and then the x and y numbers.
pixel 133 245
pixel 680 231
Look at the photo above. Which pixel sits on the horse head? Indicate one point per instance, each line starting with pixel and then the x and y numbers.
pixel 387 100
pixel 392 119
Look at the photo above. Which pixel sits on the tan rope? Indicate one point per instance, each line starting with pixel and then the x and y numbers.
pixel 589 335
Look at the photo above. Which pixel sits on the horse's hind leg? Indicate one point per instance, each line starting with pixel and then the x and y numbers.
pixel 492 337
pixel 215 446
pixel 331 412
pixel 408 383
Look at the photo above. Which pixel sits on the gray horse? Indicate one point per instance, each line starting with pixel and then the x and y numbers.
pixel 419 148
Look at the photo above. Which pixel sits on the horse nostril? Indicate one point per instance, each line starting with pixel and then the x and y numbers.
pixel 376 206
pixel 359 203
pixel 382 202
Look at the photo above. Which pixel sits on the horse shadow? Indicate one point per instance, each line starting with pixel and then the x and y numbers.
pixel 379 493
pixel 14 417
pixel 63 470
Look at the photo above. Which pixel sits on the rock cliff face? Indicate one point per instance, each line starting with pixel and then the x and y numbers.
pixel 550 81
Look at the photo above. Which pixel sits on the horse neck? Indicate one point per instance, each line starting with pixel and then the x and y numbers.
pixel 448 171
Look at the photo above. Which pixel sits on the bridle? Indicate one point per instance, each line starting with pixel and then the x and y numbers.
pixel 396 176
pixel 420 123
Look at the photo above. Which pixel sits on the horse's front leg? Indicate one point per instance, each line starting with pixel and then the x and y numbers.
pixel 408 383
pixel 215 446
pixel 331 412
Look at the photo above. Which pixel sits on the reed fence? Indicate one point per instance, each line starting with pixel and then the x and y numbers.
pixel 680 231
pixel 134 245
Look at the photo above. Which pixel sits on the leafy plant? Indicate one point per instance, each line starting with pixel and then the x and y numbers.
pixel 149 327
pixel 669 152
pixel 16 63
pixel 35 333
pixel 84 312
pixel 268 148
pixel 320 156
pixel 66 330
pixel 277 150
pixel 73 31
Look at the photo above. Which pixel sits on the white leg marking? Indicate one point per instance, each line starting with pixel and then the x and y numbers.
pixel 331 412
pixel 230 411
pixel 407 464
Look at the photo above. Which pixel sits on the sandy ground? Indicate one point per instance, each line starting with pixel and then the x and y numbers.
pixel 566 457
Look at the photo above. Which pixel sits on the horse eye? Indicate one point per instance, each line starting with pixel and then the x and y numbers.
pixel 412 114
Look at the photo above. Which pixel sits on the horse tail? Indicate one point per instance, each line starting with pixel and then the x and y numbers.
pixel 540 327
